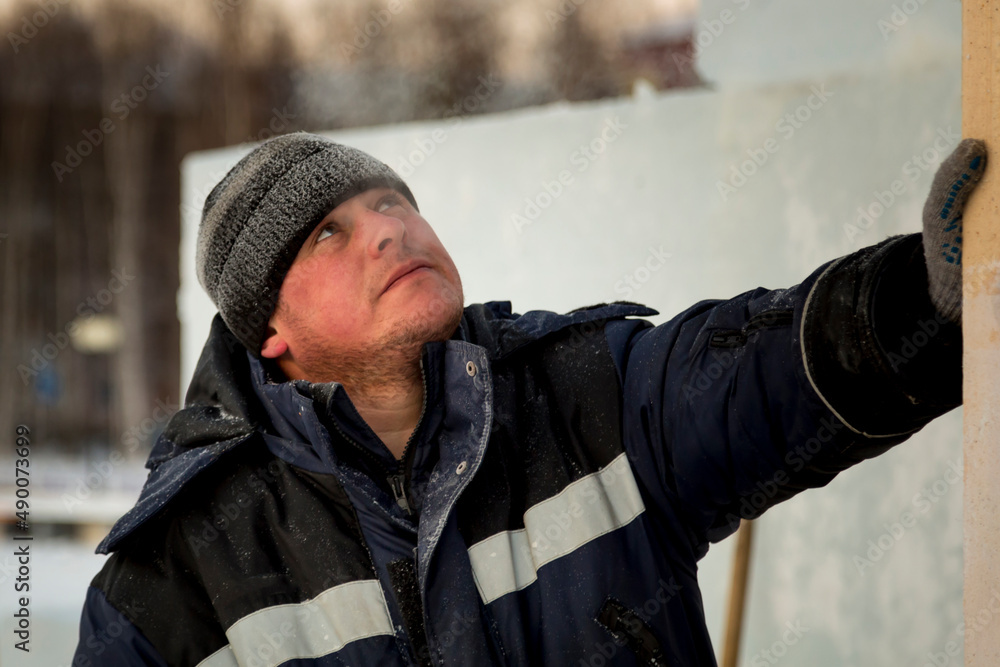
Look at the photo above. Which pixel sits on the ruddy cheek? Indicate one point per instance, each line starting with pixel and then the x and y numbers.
pixel 307 271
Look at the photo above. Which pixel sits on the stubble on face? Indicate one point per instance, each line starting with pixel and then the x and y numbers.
pixel 378 364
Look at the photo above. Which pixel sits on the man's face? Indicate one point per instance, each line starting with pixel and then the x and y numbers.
pixel 371 285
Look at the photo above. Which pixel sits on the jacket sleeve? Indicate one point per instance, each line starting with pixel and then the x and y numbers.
pixel 109 639
pixel 733 406
pixel 148 604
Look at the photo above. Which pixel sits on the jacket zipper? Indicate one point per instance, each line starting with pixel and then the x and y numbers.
pixel 397 479
pixel 396 483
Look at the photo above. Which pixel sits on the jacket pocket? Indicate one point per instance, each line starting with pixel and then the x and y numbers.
pixel 628 628
pixel 738 337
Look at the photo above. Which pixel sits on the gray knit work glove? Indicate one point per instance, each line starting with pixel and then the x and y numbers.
pixel 954 181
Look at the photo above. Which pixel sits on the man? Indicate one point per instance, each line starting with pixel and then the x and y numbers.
pixel 367 473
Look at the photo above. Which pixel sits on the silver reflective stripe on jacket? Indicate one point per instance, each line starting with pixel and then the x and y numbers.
pixel 310 629
pixel 586 509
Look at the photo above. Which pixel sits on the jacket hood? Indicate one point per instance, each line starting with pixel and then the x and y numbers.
pixel 217 416
pixel 216 407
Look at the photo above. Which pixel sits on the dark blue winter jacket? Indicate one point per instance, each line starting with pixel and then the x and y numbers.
pixel 567 474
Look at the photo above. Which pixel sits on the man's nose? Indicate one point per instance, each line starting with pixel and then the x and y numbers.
pixel 385 230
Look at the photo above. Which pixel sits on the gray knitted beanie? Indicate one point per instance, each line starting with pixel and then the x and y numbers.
pixel 257 218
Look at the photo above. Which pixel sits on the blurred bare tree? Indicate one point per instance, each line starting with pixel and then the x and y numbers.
pixel 467 41
pixel 97 113
pixel 582 68
pixel 56 248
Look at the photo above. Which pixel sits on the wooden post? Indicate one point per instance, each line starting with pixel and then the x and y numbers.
pixel 737 595
pixel 981 330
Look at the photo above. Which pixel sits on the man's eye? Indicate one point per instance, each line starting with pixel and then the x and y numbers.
pixel 326 232
pixel 388 202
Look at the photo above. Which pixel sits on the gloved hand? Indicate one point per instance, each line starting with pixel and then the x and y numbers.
pixel 954 181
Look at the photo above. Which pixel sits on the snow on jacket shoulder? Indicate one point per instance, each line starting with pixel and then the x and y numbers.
pixel 566 475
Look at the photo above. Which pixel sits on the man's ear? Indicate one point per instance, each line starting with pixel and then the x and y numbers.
pixel 274 344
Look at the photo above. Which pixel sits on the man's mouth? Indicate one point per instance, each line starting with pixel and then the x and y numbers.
pixel 403 271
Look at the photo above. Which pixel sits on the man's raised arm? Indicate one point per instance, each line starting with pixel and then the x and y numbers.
pixel 734 406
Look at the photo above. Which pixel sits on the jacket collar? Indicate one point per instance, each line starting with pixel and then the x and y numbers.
pixel 222 409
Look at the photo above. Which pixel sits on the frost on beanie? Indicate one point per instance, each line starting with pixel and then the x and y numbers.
pixel 257 218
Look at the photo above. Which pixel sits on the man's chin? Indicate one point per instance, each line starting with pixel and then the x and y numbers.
pixel 436 319
pixel 397 345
